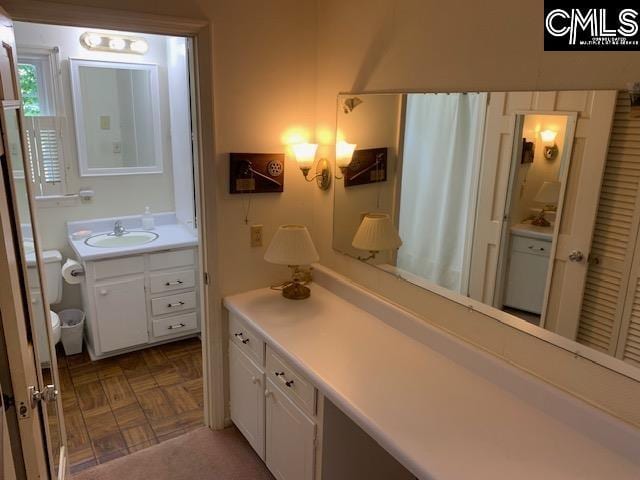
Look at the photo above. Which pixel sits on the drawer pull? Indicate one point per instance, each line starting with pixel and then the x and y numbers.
pixel 280 375
pixel 243 340
pixel 177 304
pixel 175 326
pixel 532 247
pixel 177 282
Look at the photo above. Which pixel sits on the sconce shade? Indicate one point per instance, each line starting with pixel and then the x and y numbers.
pixel 376 233
pixel 344 154
pixel 305 154
pixel 548 193
pixel 548 136
pixel 292 245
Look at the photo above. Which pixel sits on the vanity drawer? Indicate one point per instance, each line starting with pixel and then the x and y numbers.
pixel 292 383
pixel 173 303
pixel 175 325
pixel 118 267
pixel 172 259
pixel 166 282
pixel 531 245
pixel 246 339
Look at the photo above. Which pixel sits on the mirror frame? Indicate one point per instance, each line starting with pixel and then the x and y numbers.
pixel 612 363
pixel 81 139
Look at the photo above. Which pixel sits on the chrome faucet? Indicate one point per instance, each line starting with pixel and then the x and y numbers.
pixel 118 228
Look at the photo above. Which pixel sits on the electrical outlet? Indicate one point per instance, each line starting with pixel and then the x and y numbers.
pixel 256 235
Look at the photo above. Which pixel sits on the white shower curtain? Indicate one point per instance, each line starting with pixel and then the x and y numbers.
pixel 440 171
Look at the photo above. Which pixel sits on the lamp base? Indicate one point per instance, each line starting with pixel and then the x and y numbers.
pixel 296 291
pixel 540 221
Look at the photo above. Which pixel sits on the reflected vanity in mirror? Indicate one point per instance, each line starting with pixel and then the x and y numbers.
pixel 117 117
pixel 527 203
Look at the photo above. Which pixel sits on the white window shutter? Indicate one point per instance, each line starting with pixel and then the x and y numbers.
pixel 44 136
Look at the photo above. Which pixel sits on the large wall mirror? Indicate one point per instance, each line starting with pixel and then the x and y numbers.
pixel 117 117
pixel 528 203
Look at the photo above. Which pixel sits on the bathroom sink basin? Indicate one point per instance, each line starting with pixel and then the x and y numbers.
pixel 127 239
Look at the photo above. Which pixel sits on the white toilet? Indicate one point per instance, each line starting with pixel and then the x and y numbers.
pixel 52 260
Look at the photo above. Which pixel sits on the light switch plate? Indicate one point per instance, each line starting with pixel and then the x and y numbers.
pixel 256 235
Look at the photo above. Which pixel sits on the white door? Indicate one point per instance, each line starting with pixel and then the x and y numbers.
pixel 33 384
pixel 246 395
pixel 122 314
pixel 290 437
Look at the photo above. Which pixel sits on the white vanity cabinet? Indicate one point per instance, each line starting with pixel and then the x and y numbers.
pixel 527 271
pixel 137 300
pixel 273 405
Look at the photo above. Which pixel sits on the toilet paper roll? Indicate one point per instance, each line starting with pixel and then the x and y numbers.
pixel 72 272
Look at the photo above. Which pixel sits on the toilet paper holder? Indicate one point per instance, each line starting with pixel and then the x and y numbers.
pixel 77 273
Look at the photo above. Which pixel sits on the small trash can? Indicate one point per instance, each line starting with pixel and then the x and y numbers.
pixel 72 327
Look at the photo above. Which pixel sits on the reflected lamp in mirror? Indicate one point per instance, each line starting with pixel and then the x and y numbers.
pixel 344 155
pixel 547 195
pixel 549 139
pixel 375 234
pixel 305 154
pixel 292 246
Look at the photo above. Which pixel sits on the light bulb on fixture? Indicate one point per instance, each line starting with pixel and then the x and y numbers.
pixel 93 40
pixel 117 44
pixel 549 139
pixel 139 46
pixel 305 154
pixel 344 155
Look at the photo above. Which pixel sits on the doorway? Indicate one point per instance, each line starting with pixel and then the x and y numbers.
pixel 531 220
pixel 115 361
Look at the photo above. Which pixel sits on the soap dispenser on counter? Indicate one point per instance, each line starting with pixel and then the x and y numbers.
pixel 148 222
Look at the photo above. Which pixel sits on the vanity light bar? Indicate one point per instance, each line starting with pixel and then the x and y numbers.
pixel 113 43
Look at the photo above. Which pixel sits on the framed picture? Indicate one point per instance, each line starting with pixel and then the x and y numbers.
pixel 368 165
pixel 528 151
pixel 256 172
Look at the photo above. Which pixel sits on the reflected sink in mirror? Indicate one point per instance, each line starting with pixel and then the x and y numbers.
pixel 128 239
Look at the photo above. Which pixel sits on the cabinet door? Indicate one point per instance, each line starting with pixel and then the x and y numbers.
pixel 290 438
pixel 526 282
pixel 121 314
pixel 246 393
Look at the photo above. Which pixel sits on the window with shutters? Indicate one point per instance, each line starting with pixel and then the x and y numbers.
pixel 38 72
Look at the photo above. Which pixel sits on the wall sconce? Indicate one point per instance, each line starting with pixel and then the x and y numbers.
pixel 549 139
pixel 113 43
pixel 376 233
pixel 344 155
pixel 305 154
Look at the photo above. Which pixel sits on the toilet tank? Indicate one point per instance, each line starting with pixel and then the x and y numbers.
pixel 52 263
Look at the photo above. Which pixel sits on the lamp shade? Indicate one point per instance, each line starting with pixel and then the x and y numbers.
pixel 305 154
pixel 548 136
pixel 548 193
pixel 292 245
pixel 376 233
pixel 344 154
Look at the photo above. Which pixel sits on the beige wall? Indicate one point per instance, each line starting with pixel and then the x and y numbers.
pixel 440 46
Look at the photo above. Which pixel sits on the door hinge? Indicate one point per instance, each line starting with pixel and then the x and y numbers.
pixel 48 394
pixel 206 278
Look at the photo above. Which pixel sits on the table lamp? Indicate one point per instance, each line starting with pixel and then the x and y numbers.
pixel 376 233
pixel 292 246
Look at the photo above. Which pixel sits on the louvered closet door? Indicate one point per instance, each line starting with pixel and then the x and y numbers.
pixel 45 153
pixel 611 291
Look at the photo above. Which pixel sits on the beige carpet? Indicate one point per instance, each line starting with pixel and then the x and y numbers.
pixel 200 454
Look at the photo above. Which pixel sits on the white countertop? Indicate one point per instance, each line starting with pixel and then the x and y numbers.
pixel 438 418
pixel 532 231
pixel 169 236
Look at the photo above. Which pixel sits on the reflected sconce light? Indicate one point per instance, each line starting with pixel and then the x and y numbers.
pixel 113 43
pixel 344 155
pixel 292 246
pixel 305 154
pixel 375 234
pixel 549 139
